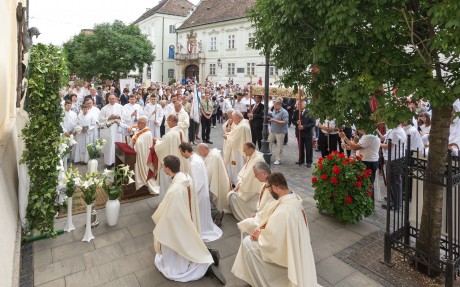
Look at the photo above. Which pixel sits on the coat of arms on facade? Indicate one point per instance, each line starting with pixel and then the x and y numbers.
pixel 191 42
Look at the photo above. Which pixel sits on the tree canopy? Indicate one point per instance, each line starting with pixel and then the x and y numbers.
pixel 343 52
pixel 110 52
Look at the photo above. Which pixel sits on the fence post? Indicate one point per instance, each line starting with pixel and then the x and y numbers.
pixel 387 238
pixel 449 275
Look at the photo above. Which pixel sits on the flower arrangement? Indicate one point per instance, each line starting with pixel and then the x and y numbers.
pixel 95 148
pixel 71 180
pixel 65 145
pixel 113 180
pixel 343 187
pixel 89 185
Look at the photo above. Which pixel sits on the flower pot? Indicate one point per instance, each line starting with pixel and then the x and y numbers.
pixel 88 233
pixel 92 165
pixel 112 210
pixel 69 224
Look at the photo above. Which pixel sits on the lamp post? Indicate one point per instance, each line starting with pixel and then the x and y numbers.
pixel 265 149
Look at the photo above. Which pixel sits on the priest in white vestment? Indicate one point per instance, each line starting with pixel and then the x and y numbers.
pixel 84 134
pixel 233 149
pixel 219 182
pixel 132 111
pixel 94 112
pixel 142 141
pixel 183 117
pixel 154 113
pixel 110 118
pixel 169 145
pixel 209 231
pixel 244 198
pixel 278 252
pixel 181 254
pixel 68 124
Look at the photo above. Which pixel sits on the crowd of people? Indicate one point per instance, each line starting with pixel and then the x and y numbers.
pixel 198 186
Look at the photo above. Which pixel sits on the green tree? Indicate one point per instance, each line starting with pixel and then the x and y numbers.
pixel 344 51
pixel 110 52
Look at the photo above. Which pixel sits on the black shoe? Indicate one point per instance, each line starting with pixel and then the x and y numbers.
pixel 208 141
pixel 218 220
pixel 392 207
pixel 299 162
pixel 308 165
pixel 215 255
pixel 213 271
pixel 385 198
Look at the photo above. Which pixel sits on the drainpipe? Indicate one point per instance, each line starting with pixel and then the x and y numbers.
pixel 162 49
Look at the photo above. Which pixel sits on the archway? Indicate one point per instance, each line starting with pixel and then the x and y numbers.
pixel 192 71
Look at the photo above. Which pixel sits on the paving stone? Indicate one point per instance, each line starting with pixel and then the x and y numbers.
pixel 229 226
pixel 323 282
pixel 92 277
pixel 125 221
pixel 150 276
pixel 333 269
pixel 127 281
pixel 141 228
pixel 112 237
pixel 102 255
pixel 134 262
pixel 49 243
pixel 226 246
pixel 134 207
pixel 363 228
pixel 42 258
pixel 102 228
pixel 71 249
pixel 225 267
pixel 57 270
pixel 344 237
pixel 137 244
pixel 357 279
pixel 56 283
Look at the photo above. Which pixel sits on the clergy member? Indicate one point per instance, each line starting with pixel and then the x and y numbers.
pixel 84 134
pixel 94 112
pixel 70 119
pixel 244 198
pixel 169 145
pixel 132 111
pixel 142 142
pixel 233 148
pixel 209 231
pixel 219 183
pixel 181 254
pixel 110 118
pixel 155 114
pixel 278 252
pixel 183 117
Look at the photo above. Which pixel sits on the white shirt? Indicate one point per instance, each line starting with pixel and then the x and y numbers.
pixel 398 143
pixel 415 138
pixel 370 148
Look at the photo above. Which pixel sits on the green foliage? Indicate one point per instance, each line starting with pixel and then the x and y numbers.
pixel 89 185
pixel 95 148
pixel 358 46
pixel 114 180
pixel 47 73
pixel 110 52
pixel 343 187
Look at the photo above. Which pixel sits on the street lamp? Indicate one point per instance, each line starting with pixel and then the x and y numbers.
pixel 219 63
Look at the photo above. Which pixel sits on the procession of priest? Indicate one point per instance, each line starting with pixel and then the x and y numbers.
pixel 199 184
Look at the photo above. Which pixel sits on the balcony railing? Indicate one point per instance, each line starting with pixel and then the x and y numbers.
pixel 189 56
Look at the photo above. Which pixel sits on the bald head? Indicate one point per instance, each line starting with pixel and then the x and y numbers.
pixel 142 119
pixel 203 149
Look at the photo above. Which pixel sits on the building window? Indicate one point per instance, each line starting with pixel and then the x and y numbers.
pixel 273 71
pixel 250 39
pixel 172 29
pixel 213 43
pixel 231 69
pixel 231 41
pixel 212 69
pixel 170 73
pixel 251 68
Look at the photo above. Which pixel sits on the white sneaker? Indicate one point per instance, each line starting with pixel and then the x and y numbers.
pixel 277 162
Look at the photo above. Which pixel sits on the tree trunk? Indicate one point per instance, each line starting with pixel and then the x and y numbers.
pixel 431 221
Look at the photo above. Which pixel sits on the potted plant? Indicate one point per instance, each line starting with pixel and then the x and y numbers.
pixel 113 182
pixel 70 180
pixel 343 187
pixel 94 152
pixel 88 187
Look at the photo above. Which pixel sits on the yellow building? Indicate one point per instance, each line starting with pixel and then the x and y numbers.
pixel 10 238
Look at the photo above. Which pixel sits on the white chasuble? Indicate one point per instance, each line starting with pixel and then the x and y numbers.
pixel 209 231
pixel 142 147
pixel 110 134
pixel 233 154
pixel 219 182
pixel 155 115
pixel 282 256
pixel 181 253
pixel 84 138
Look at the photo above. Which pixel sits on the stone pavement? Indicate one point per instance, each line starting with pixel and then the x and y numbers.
pixel 123 255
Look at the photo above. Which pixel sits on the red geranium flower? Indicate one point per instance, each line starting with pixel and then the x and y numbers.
pixel 344 162
pixel 359 157
pixel 370 193
pixel 330 156
pixel 359 177
pixel 369 171
pixel 341 155
pixel 348 200
pixel 324 176
pixel 334 180
pixel 320 160
pixel 365 175
pixel 352 161
pixel 314 179
pixel 320 165
pixel 336 169
pixel 358 184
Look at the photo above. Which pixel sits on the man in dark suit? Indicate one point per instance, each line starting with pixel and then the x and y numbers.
pixel 305 127
pixel 97 99
pixel 256 117
pixel 124 98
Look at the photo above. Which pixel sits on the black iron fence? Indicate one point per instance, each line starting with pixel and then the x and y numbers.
pixel 407 176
